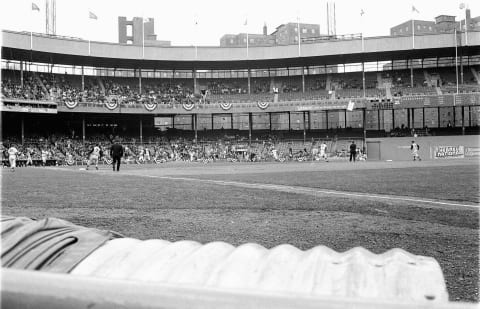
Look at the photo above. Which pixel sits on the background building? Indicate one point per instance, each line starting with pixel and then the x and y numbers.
pixel 284 34
pixel 442 24
pixel 130 32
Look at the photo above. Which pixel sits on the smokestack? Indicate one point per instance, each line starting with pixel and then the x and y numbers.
pixel 467 18
pixel 264 29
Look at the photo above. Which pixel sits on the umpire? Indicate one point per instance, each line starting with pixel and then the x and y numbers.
pixel 116 152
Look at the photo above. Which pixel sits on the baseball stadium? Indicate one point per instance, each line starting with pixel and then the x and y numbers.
pixel 272 171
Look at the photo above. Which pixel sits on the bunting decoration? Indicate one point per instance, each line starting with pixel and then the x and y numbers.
pixel 188 106
pixel 263 105
pixel 71 104
pixel 150 106
pixel 111 105
pixel 226 105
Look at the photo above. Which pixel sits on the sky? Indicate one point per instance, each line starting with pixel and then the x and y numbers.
pixel 175 20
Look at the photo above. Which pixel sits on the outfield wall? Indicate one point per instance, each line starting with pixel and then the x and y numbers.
pixel 431 147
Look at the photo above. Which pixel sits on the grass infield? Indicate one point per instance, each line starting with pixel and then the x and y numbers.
pixel 147 202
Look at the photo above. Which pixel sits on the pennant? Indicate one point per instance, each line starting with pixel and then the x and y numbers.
pixel 414 9
pixel 92 15
pixel 35 7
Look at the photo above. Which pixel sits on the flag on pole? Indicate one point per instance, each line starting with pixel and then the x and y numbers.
pixel 362 12
pixel 91 15
pixel 414 9
pixel 350 106
pixel 35 7
pixel 246 22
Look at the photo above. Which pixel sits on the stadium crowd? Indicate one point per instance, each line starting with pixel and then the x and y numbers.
pixel 62 150
pixel 68 88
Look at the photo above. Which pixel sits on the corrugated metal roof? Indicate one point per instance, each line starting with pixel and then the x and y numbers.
pixel 320 271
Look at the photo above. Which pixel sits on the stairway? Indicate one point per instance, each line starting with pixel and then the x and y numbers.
pixel 476 74
pixel 40 83
pixel 100 83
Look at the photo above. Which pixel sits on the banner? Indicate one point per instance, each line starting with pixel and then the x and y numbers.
pixel 448 152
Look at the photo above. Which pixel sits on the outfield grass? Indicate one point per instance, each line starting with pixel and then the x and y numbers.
pixel 138 206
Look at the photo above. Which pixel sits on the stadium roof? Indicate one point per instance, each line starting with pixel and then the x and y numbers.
pixel 16 46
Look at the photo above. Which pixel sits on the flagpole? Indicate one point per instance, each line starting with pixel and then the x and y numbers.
pixel 413 33
pixel 456 57
pixel 143 36
pixel 299 36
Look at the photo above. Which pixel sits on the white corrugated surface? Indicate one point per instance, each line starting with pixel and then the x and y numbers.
pixel 320 271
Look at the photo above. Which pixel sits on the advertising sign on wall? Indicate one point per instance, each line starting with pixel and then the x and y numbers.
pixel 472 151
pixel 448 152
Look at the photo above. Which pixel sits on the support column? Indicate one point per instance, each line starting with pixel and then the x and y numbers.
pixel 378 119
pixel 304 127
pixel 453 122
pixel 411 72
pixel 363 80
pixel 364 116
pixel 309 121
pixel 195 81
pixel 463 120
pixel 231 121
pixel 212 122
pixel 326 118
pixel 250 126
pixel 393 119
pixel 248 79
pixel 438 116
pixel 303 79
pixel 423 120
pixel 270 120
pixel 83 129
pixel 195 121
pixel 21 73
pixel 461 69
pixel 289 122
pixel 413 118
pixel 345 116
pixel 173 122
pixel 140 80
pixel 408 118
pixel 23 129
pixel 141 131
pixel 83 79
pixel 469 115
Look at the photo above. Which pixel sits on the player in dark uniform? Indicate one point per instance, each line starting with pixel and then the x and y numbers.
pixel 116 152
pixel 353 151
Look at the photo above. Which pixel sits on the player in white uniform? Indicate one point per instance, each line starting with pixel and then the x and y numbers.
pixel 147 154
pixel 414 147
pixel 323 151
pixel 141 157
pixel 29 157
pixel 44 157
pixel 12 157
pixel 95 154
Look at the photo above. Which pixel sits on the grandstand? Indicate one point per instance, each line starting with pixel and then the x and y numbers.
pixel 215 104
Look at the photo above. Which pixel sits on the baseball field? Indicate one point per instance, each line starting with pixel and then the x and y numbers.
pixel 428 208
